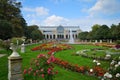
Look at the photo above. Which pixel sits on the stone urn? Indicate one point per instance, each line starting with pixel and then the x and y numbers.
pixel 14 48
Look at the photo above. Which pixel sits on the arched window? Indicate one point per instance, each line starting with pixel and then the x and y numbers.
pixel 53 36
pixel 47 36
pixel 60 29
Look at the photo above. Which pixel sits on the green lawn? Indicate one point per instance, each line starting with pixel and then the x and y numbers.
pixel 63 74
pixel 68 56
pixel 3 68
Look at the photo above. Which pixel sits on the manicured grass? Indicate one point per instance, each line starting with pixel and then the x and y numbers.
pixel 64 74
pixel 3 68
pixel 3 51
pixel 67 55
pixel 81 61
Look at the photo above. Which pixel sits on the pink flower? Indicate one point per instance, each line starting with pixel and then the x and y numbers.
pixel 25 71
pixel 49 70
pixel 48 61
pixel 42 70
pixel 40 55
pixel 30 69
pixel 42 75
pixel 37 71
pixel 51 59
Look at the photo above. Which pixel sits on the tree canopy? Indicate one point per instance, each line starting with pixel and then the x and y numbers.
pixel 12 23
pixel 10 13
pixel 101 32
pixel 34 33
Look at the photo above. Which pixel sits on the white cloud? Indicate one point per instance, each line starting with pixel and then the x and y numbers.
pixel 38 11
pixel 85 24
pixel 105 7
pixel 55 20
pixel 34 22
pixel 41 11
pixel 39 15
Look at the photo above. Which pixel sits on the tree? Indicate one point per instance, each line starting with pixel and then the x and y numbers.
pixel 5 29
pixel 118 31
pixel 10 12
pixel 113 30
pixel 102 32
pixel 83 35
pixel 34 33
pixel 93 32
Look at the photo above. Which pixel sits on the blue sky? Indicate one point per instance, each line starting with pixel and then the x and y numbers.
pixel 83 13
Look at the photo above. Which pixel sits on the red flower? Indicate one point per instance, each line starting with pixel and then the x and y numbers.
pixel 40 55
pixel 25 71
pixel 42 75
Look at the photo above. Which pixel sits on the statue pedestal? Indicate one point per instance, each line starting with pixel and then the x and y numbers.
pixel 15 68
pixel 14 65
pixel 23 48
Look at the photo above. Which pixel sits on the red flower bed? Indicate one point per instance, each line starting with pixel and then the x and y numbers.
pixel 97 70
pixel 52 47
pixel 41 67
pixel 117 46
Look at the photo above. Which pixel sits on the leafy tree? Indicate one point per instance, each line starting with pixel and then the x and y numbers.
pixel 94 30
pixel 34 33
pixel 83 35
pixel 10 12
pixel 102 32
pixel 118 31
pixel 5 29
pixel 115 31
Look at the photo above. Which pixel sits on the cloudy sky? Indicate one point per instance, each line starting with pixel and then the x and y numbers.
pixel 83 13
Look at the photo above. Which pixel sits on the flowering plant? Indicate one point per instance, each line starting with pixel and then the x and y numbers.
pixel 41 67
pixel 52 47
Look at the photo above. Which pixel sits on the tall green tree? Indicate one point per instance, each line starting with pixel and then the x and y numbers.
pixel 93 32
pixel 37 35
pixel 102 32
pixel 34 33
pixel 10 12
pixel 118 31
pixel 113 32
pixel 5 29
pixel 83 35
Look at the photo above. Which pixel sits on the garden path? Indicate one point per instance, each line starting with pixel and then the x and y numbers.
pixel 1 55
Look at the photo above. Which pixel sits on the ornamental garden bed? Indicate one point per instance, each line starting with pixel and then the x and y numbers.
pixel 66 56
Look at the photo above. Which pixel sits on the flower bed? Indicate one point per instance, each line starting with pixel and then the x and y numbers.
pixel 52 47
pixel 97 70
pixel 47 60
pixel 105 45
pixel 41 67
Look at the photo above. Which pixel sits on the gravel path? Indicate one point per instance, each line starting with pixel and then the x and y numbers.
pixel 1 55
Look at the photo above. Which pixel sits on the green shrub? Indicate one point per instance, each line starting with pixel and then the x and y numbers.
pixel 17 41
pixel 118 42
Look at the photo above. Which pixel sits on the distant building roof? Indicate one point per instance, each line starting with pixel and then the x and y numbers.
pixel 55 27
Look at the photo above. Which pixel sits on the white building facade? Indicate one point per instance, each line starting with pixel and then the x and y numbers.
pixel 60 32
